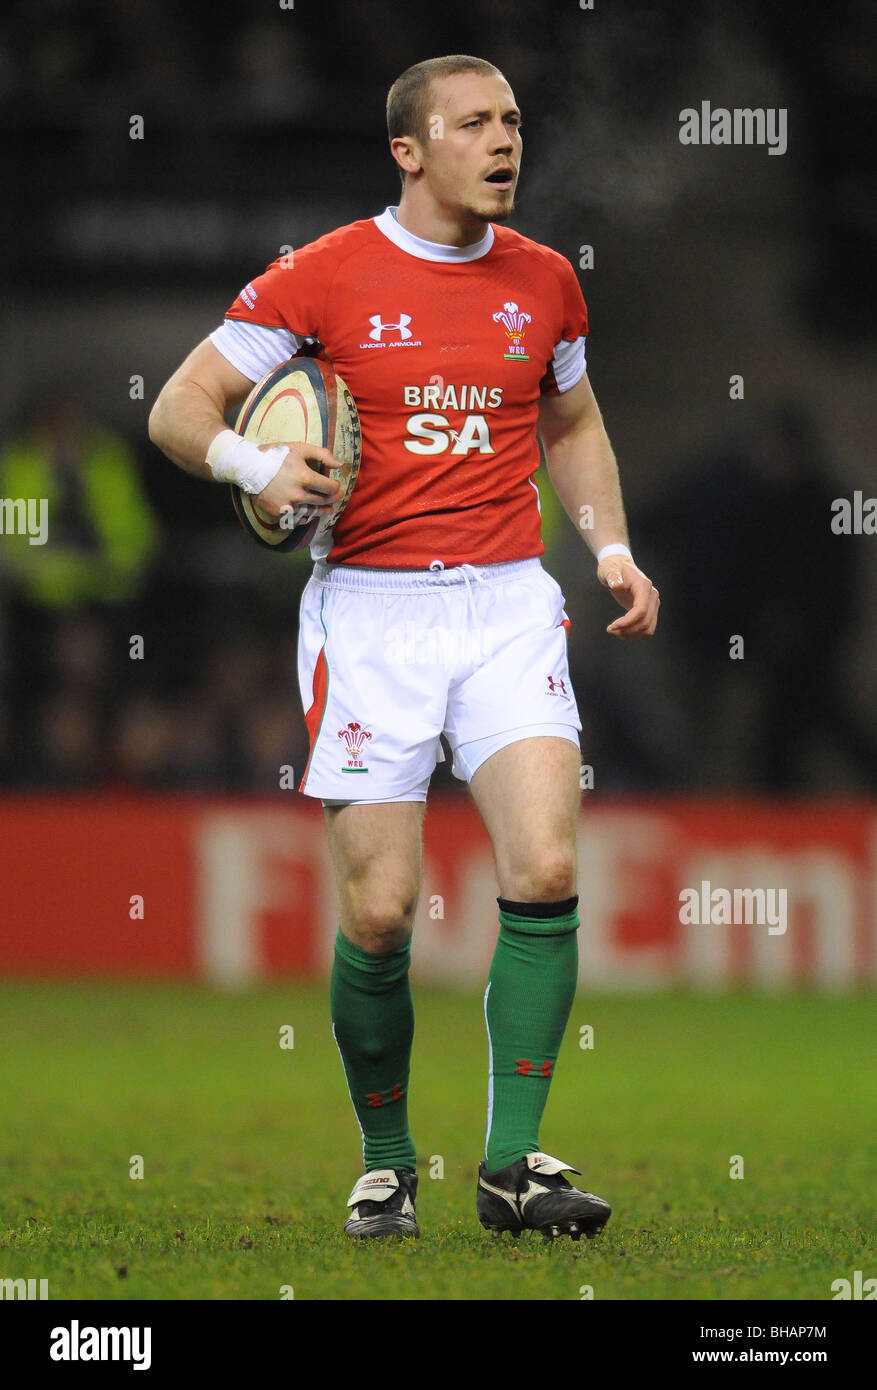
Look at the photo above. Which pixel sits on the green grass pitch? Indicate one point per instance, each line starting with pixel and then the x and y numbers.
pixel 249 1150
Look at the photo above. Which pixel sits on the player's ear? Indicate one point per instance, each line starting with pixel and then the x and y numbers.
pixel 407 154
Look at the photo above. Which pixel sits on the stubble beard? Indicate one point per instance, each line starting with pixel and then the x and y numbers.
pixel 501 213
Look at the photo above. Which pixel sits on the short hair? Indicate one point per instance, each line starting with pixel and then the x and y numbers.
pixel 409 97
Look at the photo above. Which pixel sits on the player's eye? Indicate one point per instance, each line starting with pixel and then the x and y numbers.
pixel 509 120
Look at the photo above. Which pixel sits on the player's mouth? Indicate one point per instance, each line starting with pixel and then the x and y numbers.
pixel 502 178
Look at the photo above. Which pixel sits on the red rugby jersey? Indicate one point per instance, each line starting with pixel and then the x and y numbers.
pixel 446 351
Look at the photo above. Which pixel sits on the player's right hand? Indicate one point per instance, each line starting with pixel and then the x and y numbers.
pixel 637 595
pixel 297 482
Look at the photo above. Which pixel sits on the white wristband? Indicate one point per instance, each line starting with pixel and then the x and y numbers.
pixel 232 459
pixel 616 549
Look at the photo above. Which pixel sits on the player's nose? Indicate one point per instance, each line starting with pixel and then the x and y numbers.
pixel 500 139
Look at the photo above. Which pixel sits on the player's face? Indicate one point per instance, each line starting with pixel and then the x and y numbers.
pixel 476 127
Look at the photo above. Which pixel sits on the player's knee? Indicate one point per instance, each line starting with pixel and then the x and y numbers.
pixel 550 878
pixel 378 940
pixel 382 925
pixel 371 1049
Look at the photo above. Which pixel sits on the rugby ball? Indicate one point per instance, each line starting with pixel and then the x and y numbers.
pixel 303 401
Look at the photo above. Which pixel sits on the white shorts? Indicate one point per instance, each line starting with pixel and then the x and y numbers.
pixel 391 660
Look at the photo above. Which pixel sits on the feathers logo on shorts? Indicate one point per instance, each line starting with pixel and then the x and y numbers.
pixel 355 737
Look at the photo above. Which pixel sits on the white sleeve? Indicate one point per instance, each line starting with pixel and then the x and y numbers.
pixel 568 363
pixel 254 349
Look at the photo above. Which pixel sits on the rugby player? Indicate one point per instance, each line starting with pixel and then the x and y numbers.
pixel 461 342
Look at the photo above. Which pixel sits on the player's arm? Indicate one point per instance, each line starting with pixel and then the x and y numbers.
pixel 584 473
pixel 187 422
pixel 190 409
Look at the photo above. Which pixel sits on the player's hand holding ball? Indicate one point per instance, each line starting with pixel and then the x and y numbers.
pixel 635 592
pixel 298 424
pixel 297 482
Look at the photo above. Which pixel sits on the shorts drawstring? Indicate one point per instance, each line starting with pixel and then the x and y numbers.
pixel 465 569
pixel 473 612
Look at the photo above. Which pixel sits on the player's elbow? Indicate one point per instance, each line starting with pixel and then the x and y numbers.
pixel 157 425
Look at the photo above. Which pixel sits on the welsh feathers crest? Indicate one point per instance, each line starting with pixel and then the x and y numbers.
pixel 513 320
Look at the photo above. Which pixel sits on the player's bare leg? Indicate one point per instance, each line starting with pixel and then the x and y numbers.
pixel 377 852
pixel 528 796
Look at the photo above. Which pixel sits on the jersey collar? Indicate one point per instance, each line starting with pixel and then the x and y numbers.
pixel 430 250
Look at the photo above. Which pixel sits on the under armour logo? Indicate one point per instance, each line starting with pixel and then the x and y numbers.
pixel 376 1098
pixel 524 1067
pixel 554 682
pixel 379 327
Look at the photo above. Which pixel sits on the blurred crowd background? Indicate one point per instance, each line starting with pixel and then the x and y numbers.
pixel 149 645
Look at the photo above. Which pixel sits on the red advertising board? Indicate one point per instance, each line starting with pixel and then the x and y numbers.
pixel 672 893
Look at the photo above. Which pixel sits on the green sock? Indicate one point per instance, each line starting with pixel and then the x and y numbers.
pixel 373 1025
pixel 527 1003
